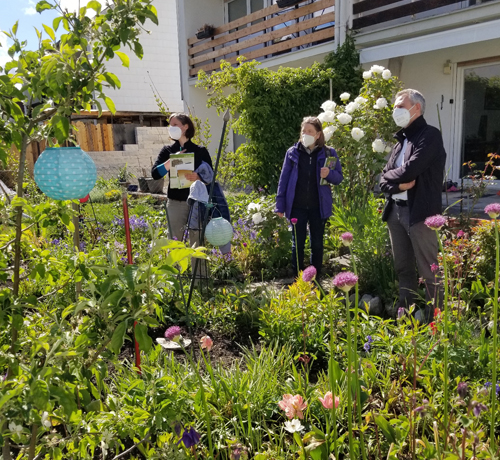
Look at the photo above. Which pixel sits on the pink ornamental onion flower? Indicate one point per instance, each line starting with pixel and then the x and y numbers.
pixel 434 268
pixel 460 234
pixel 435 222
pixel 345 281
pixel 327 401
pixel 206 343
pixel 346 238
pixel 293 405
pixel 294 220
pixel 173 333
pixel 493 210
pixel 309 274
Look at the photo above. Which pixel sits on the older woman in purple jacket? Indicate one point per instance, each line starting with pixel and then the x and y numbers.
pixel 301 196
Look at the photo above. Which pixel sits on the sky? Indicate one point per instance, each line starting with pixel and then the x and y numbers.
pixel 24 11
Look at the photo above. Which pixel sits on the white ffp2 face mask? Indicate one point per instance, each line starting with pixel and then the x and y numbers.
pixel 307 140
pixel 175 132
pixel 402 117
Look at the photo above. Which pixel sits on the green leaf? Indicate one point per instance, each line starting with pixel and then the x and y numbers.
pixel 56 22
pixel 151 13
pixel 124 58
pixel 138 50
pixel 113 299
pixel 66 399
pixel 94 406
pixel 43 5
pixel 118 337
pixel 61 129
pixel 40 394
pixel 142 336
pixel 112 79
pixel 386 428
pixel 95 5
pixel 14 28
pixel 11 394
pixel 111 105
pixel 50 32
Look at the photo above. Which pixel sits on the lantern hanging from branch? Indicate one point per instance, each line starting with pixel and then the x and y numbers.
pixel 65 173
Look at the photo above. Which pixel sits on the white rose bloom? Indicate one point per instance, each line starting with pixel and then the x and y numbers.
pixel 381 103
pixel 377 69
pixel 45 420
pixel 328 106
pixel 351 107
pixel 328 132
pixel 367 75
pixel 345 97
pixel 293 426
pixel 357 134
pixel 386 74
pixel 344 118
pixel 257 218
pixel 378 145
pixel 388 149
pixel 253 207
pixel 326 117
pixel 360 100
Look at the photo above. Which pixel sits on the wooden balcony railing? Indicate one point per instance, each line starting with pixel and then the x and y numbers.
pixel 267 32
pixel 366 16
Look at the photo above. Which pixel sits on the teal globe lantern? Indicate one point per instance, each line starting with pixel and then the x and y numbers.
pixel 65 173
pixel 219 231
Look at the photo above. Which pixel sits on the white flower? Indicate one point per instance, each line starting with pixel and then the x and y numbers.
pixel 344 118
pixel 351 107
pixel 16 429
pixel 367 75
pixel 326 117
pixel 378 145
pixel 328 106
pixel 381 103
pixel 377 69
pixel 293 426
pixel 253 207
pixel 345 97
pixel 257 218
pixel 386 74
pixel 388 149
pixel 45 420
pixel 357 134
pixel 328 132
pixel 360 100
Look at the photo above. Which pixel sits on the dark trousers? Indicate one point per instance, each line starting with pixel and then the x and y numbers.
pixel 299 234
pixel 414 246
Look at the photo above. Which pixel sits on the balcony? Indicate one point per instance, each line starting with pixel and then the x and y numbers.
pixel 269 32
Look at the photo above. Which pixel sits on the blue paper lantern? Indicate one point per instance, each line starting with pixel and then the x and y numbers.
pixel 65 173
pixel 219 231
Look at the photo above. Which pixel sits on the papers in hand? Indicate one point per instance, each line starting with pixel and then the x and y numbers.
pixel 180 165
pixel 330 163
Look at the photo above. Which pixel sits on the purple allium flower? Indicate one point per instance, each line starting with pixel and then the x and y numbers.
pixel 434 268
pixel 294 220
pixel 493 210
pixel 435 222
pixel 244 245
pixel 346 238
pixel 460 234
pixel 367 346
pixel 478 408
pixel 345 281
pixel 190 438
pixel 309 274
pixel 462 389
pixel 173 333
pixel 401 312
pixel 420 409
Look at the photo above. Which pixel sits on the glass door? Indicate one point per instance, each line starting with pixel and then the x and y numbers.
pixel 481 118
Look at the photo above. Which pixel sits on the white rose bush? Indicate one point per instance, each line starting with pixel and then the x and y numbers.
pixel 361 131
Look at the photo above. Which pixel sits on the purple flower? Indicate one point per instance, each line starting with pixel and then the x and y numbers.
pixel 173 333
pixel 434 268
pixel 309 274
pixel 346 238
pixel 487 385
pixel 367 346
pixel 244 245
pixel 189 437
pixel 435 222
pixel 401 312
pixel 345 281
pixel 478 408
pixel 462 389
pixel 493 210
pixel 293 220
pixel 460 234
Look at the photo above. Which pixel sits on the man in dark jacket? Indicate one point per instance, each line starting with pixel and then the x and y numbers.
pixel 412 181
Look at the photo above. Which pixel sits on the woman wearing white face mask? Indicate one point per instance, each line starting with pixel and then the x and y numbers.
pixel 301 197
pixel 181 130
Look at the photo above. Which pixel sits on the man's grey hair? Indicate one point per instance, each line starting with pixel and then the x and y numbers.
pixel 416 97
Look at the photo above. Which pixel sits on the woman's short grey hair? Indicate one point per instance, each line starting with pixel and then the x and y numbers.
pixel 416 97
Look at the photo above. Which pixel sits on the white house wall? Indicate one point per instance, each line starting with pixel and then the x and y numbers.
pixel 161 60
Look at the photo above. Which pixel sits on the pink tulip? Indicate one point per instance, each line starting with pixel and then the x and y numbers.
pixel 293 405
pixel 327 401
pixel 206 343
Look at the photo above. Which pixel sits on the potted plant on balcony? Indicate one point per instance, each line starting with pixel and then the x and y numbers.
pixel 287 3
pixel 205 31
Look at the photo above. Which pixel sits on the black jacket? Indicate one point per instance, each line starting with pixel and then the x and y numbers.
pixel 306 190
pixel 200 154
pixel 424 162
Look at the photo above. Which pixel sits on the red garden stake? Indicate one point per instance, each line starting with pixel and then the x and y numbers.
pixel 130 261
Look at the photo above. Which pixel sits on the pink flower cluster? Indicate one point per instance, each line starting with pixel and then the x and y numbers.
pixel 173 333
pixel 493 210
pixel 293 405
pixel 435 222
pixel 346 238
pixel 309 274
pixel 345 281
